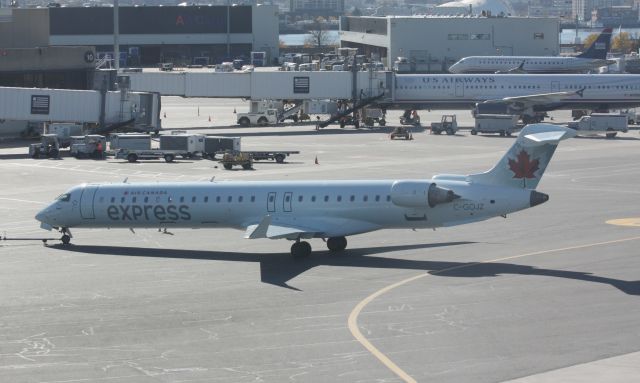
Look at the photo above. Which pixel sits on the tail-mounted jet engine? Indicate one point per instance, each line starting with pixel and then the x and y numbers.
pixel 419 194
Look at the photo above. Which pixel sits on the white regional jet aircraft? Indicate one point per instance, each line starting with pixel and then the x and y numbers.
pixel 331 210
pixel 527 95
pixel 592 59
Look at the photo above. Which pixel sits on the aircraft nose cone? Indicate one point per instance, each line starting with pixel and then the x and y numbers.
pixel 42 216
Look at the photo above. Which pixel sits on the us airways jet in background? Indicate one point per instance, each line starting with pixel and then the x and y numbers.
pixel 526 95
pixel 331 210
pixel 590 60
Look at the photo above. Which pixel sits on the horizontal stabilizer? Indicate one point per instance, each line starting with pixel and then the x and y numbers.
pixel 552 136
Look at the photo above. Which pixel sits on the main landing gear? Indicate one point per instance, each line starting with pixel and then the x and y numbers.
pixel 303 249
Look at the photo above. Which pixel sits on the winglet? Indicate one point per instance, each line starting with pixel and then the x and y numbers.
pixel 259 230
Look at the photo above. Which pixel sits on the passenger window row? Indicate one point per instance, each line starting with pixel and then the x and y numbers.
pixel 241 199
pixel 352 198
pixel 182 199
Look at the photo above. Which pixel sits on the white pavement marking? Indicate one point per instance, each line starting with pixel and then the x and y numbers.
pixel 618 369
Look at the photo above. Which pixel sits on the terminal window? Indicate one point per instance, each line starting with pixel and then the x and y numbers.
pixel 458 36
pixel 480 36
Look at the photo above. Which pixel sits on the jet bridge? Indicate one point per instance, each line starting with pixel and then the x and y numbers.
pixel 265 84
pixel 81 106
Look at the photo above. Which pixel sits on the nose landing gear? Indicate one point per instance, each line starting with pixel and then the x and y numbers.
pixel 66 236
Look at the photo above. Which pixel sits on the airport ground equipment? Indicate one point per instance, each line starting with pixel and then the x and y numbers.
pixel 447 124
pixel 347 111
pixel 262 118
pixel 276 155
pixel 290 113
pixel 503 124
pixel 214 145
pixel 232 158
pixel 410 117
pixel 92 146
pixel 191 144
pixel 371 116
pixel 130 141
pixel 403 132
pixel 49 146
pixel 608 123
pixel 133 155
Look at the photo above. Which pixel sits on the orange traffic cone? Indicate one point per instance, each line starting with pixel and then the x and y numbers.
pixel 317 163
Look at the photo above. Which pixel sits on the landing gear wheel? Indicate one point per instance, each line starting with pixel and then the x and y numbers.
pixel 337 244
pixel 474 132
pixel 300 249
pixel 66 239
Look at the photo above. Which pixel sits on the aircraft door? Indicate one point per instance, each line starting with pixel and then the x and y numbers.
pixel 286 202
pixel 555 86
pixel 459 89
pixel 87 199
pixel 271 202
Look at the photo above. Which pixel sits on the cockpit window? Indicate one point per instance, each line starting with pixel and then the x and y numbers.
pixel 64 197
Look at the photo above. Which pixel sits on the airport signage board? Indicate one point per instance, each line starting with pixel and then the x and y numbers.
pixel 301 84
pixel 150 20
pixel 40 104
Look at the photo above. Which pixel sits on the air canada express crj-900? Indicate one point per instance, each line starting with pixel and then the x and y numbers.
pixel 330 210
pixel 522 94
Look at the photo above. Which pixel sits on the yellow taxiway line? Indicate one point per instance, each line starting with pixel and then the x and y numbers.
pixel 353 316
pixel 624 222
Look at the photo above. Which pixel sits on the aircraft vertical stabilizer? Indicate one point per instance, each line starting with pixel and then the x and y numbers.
pixel 600 47
pixel 525 162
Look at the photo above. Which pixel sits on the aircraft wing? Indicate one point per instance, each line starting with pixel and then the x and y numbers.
pixel 518 69
pixel 267 229
pixel 535 99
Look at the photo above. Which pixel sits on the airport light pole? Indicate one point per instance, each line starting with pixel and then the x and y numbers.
pixel 116 35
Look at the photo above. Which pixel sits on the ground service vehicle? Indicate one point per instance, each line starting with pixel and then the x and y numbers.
pixel 269 116
pixel 133 155
pixel 49 146
pixel 277 156
pixel 370 116
pixel 190 144
pixel 214 145
pixel 130 141
pixel 401 132
pixel 231 159
pixel 608 123
pixel 92 145
pixel 503 124
pixel 447 124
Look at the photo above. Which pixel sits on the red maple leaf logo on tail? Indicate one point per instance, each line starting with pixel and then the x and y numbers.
pixel 523 167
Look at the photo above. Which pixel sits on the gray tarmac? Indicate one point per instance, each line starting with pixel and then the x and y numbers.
pixel 544 290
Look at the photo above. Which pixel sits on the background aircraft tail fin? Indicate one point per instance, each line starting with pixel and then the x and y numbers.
pixel 600 47
pixel 525 162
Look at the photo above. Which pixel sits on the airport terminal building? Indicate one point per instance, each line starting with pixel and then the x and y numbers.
pixel 149 34
pixel 433 43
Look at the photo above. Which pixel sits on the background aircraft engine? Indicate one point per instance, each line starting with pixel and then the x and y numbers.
pixel 419 194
